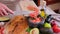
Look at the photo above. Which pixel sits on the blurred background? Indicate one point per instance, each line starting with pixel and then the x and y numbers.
pixel 53 4
pixel 12 4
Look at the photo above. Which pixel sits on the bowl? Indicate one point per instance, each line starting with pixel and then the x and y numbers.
pixel 36 24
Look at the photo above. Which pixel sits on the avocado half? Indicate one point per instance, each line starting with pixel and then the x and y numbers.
pixel 4 19
pixel 34 31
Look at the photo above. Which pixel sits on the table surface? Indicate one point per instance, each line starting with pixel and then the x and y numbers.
pixel 18 11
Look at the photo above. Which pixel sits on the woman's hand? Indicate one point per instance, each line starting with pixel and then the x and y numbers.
pixel 4 10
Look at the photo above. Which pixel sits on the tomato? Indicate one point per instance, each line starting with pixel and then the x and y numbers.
pixel 38 20
pixel 33 21
pixel 56 29
pixel 1 30
pixel 27 32
pixel 32 15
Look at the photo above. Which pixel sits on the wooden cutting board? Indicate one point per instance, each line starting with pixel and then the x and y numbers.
pixel 24 4
pixel 17 25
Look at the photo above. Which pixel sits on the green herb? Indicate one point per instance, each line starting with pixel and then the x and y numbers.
pixel 28 30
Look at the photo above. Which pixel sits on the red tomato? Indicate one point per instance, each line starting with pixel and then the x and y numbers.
pixel 27 32
pixel 35 13
pixel 56 29
pixel 33 21
pixel 1 30
pixel 38 20
pixel 31 15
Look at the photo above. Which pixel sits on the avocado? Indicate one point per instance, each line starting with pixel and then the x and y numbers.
pixel 34 31
pixel 46 31
pixel 4 19
pixel 47 25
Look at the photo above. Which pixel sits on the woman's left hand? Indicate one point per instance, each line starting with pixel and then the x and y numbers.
pixel 4 10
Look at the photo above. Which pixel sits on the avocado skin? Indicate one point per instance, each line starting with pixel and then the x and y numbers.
pixel 5 20
pixel 46 31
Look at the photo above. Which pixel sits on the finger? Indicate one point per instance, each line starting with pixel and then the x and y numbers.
pixel 10 11
pixel 6 8
pixel 1 13
pixel 4 11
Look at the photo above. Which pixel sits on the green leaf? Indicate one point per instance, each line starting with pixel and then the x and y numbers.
pixel 28 30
